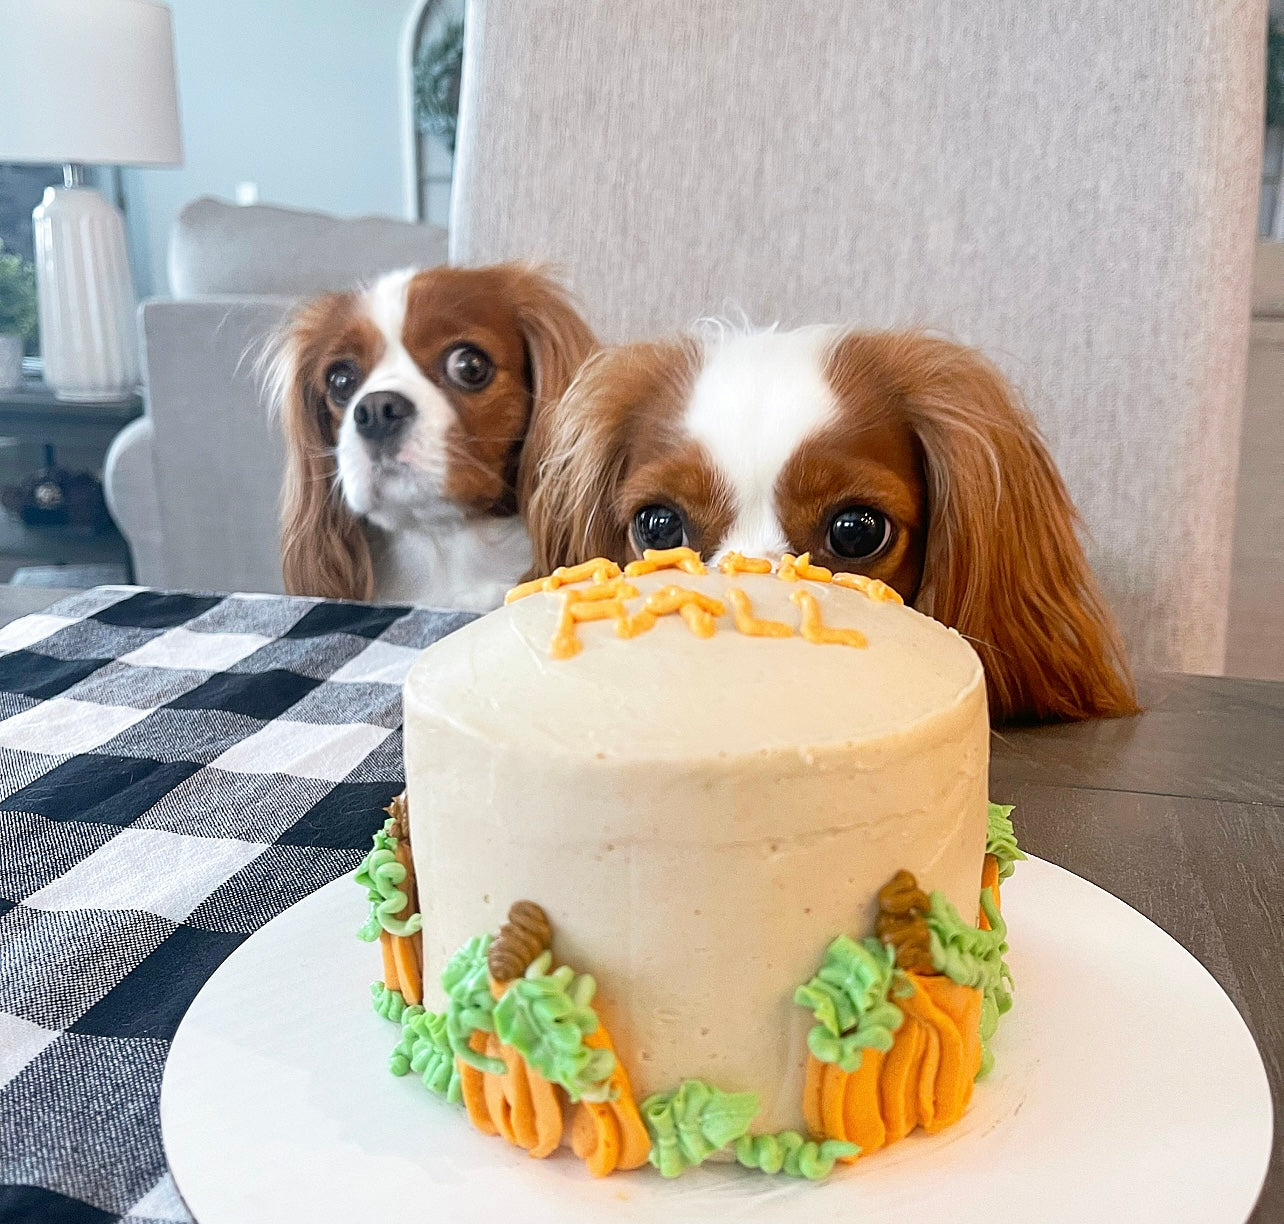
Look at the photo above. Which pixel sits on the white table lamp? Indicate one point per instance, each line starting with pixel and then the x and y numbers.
pixel 86 82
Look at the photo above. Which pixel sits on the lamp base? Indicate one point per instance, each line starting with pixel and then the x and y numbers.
pixel 86 296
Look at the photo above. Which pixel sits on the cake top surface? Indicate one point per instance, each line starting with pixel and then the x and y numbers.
pixel 667 664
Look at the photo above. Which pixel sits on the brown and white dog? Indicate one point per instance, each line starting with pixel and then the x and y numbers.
pixel 408 409
pixel 896 455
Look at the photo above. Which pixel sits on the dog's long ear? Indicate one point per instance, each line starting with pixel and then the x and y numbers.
pixel 612 416
pixel 582 451
pixel 1003 563
pixel 557 343
pixel 324 547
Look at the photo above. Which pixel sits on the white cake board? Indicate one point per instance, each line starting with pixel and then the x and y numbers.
pixel 1127 1088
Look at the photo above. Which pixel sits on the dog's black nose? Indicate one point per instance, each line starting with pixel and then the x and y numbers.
pixel 381 414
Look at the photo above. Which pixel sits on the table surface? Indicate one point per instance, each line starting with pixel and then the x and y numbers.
pixel 1179 812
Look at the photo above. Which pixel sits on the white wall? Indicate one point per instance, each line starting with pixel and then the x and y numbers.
pixel 302 97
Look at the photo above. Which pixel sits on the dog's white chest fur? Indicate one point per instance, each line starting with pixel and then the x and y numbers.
pixel 470 565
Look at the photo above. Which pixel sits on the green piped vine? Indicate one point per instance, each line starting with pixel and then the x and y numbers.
pixel 691 1123
pixel 789 1153
pixel 963 952
pixel 849 998
pixel 471 1007
pixel 545 1017
pixel 990 1013
pixel 1000 839
pixel 425 1050
pixel 382 876
pixel 973 957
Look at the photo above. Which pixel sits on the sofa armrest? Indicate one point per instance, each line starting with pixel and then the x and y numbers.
pixel 217 456
pixel 129 482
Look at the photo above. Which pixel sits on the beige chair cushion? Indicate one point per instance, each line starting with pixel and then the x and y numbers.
pixel 1070 186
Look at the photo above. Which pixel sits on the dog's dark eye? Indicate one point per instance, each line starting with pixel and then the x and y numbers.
pixel 859 532
pixel 468 367
pixel 341 380
pixel 659 527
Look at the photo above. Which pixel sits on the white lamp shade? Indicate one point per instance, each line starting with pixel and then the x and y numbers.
pixel 88 81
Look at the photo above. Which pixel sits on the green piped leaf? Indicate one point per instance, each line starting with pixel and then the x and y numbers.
pixel 789 1153
pixel 849 998
pixel 545 1018
pixel 382 876
pixel 387 1002
pixel 425 1051
pixel 466 981
pixel 1000 839
pixel 690 1124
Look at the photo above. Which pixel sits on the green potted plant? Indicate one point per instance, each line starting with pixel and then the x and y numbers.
pixel 17 316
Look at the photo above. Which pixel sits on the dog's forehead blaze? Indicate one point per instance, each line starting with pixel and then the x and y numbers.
pixel 445 306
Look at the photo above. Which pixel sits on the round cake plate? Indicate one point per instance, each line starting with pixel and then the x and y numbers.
pixel 1126 1088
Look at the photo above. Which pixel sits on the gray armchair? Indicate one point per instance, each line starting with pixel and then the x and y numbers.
pixel 195 483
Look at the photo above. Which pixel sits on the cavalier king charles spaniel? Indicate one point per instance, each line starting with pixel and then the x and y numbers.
pixel 411 410
pixel 897 455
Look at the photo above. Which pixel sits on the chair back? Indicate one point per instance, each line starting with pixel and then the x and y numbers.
pixel 1070 187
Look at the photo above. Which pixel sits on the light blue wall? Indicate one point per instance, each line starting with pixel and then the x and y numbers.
pixel 301 97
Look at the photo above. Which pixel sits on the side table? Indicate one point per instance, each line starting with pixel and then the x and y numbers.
pixel 31 413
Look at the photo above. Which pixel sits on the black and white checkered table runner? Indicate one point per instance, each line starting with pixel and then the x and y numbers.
pixel 175 770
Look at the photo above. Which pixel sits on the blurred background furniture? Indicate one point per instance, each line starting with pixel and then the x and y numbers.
pixel 1255 643
pixel 1073 189
pixel 77 553
pixel 195 483
pixel 92 81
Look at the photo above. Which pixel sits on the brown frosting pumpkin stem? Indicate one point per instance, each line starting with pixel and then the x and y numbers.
pixel 399 810
pixel 900 922
pixel 520 940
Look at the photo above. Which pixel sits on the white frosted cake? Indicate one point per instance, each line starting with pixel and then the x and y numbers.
pixel 707 785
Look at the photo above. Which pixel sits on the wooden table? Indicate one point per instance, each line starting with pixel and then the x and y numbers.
pixel 1179 812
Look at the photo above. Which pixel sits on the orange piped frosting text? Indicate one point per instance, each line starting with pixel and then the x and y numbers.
pixel 803 568
pixel 609 589
pixel 815 630
pixel 875 588
pixel 749 624
pixel 599 569
pixel 738 563
pixel 686 559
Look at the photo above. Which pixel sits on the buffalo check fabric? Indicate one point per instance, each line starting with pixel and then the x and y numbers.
pixel 175 770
